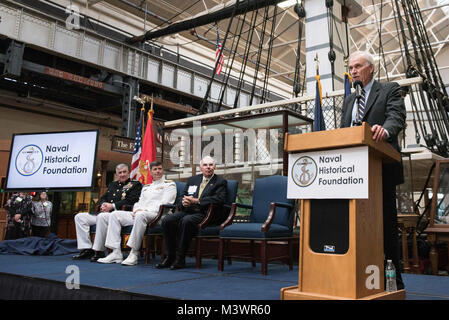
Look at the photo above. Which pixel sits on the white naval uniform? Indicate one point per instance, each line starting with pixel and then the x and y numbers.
pixel 152 196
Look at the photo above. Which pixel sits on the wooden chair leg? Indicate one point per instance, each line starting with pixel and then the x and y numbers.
pixel 154 246
pixel 147 249
pixel 290 254
pixel 220 255
pixel 228 248
pixel 433 257
pixel 162 248
pixel 415 256
pixel 405 260
pixel 263 256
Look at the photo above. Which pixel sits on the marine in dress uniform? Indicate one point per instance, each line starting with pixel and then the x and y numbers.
pixel 119 193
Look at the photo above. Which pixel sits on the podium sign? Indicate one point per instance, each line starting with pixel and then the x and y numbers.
pixel 336 174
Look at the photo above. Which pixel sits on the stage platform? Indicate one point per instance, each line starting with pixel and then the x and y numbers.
pixel 44 277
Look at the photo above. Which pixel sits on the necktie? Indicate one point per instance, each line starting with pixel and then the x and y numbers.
pixel 202 186
pixel 361 106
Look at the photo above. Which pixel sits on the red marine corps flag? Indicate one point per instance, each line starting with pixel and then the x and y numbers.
pixel 148 154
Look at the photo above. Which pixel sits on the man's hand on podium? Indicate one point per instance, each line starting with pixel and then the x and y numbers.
pixel 380 134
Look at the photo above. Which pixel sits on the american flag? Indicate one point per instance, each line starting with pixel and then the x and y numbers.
pixel 137 149
pixel 219 55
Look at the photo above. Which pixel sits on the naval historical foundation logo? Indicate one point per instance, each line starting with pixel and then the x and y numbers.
pixel 29 160
pixel 304 171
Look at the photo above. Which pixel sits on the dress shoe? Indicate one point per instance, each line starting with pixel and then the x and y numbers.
pixel 113 257
pixel 179 264
pixel 84 254
pixel 98 255
pixel 131 260
pixel 166 263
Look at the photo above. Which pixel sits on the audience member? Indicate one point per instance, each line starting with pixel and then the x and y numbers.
pixel 19 212
pixel 41 218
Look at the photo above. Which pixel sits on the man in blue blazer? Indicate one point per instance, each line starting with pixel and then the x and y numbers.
pixel 200 191
pixel 385 112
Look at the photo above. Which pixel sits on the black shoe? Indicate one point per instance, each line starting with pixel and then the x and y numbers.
pixel 84 254
pixel 166 263
pixel 179 264
pixel 97 255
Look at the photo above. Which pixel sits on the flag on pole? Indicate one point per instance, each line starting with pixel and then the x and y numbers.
pixel 218 55
pixel 318 122
pixel 135 174
pixel 148 151
pixel 348 81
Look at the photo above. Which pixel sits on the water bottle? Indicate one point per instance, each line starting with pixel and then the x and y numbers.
pixel 390 275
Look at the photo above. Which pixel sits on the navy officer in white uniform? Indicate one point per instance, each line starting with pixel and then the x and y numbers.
pixel 160 191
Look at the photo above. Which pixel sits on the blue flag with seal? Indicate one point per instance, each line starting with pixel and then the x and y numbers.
pixel 348 81
pixel 318 122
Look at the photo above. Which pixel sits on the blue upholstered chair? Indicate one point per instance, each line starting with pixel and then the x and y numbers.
pixel 209 228
pixel 271 219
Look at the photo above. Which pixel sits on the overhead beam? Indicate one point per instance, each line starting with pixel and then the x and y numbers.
pixel 242 7
pixel 92 2
pixel 376 21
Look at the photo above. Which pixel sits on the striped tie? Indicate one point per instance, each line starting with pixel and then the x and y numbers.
pixel 361 105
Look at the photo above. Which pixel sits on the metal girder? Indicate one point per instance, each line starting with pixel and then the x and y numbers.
pixel 242 7
pixel 14 59
pixel 129 109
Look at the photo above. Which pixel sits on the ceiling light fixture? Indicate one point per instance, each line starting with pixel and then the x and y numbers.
pixel 288 3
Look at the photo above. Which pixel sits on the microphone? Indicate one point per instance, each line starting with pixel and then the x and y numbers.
pixel 358 85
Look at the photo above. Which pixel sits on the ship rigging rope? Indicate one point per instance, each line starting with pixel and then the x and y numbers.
pixel 206 96
pixel 230 62
pixel 259 54
pixel 299 9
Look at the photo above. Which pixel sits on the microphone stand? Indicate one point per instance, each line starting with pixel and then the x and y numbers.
pixel 358 94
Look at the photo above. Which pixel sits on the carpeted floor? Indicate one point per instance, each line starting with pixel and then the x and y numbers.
pixel 239 281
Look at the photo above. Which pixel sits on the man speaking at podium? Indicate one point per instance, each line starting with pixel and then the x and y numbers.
pixel 382 107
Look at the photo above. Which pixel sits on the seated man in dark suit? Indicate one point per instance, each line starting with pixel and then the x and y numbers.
pixel 201 191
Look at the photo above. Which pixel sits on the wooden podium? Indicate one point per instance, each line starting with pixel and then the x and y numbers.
pixel 345 276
